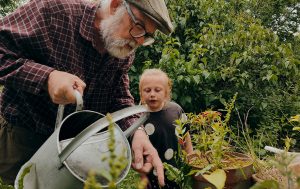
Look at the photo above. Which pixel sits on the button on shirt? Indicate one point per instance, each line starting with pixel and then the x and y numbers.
pixel 56 34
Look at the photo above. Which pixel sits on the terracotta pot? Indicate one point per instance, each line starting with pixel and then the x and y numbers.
pixel 235 177
pixel 256 178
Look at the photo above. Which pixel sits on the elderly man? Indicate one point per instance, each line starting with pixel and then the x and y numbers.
pixel 49 48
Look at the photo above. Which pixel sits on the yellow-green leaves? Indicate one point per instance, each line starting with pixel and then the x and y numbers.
pixel 217 178
pixel 296 119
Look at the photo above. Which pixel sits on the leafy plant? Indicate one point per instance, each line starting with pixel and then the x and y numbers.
pixel 7 6
pixel 214 154
pixel 266 185
pixel 217 178
pixel 117 165
pixel 296 119
pixel 133 181
pixel 210 133
pixel 181 173
pixel 280 173
pixel 5 186
pixel 222 47
pixel 24 173
pixel 91 182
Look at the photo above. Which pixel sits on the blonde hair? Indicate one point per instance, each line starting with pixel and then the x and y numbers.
pixel 156 72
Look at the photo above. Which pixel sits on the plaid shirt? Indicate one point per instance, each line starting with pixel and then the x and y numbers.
pixel 56 34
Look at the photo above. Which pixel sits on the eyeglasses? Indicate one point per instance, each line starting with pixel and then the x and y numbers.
pixel 138 30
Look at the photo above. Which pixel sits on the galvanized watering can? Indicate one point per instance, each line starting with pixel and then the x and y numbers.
pixel 77 146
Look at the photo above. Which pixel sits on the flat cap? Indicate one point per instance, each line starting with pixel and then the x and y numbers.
pixel 157 11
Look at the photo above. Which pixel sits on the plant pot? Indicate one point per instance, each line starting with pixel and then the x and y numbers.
pixel 256 178
pixel 246 184
pixel 272 174
pixel 238 177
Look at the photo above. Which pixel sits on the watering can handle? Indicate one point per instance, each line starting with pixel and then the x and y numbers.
pixel 61 107
pixel 101 124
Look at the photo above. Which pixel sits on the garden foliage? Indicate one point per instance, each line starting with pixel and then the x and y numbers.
pixel 223 47
pixel 220 47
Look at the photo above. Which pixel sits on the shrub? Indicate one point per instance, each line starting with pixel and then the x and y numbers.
pixel 220 48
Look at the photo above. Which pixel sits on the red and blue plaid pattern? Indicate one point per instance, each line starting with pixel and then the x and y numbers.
pixel 44 35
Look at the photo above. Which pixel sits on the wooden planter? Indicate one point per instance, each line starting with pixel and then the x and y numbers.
pixel 236 177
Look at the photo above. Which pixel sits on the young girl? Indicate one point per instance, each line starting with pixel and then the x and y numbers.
pixel 155 91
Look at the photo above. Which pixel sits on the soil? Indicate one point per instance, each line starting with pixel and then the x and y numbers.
pixel 238 167
pixel 272 174
pixel 269 174
pixel 230 161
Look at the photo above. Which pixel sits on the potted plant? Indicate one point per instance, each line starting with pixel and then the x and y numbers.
pixel 217 162
pixel 283 169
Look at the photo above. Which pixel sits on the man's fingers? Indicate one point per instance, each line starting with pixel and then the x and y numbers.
pixel 148 158
pixel 152 160
pixel 138 158
pixel 147 167
pixel 79 85
pixel 147 163
pixel 159 168
pixel 61 87
pixel 142 147
pixel 68 94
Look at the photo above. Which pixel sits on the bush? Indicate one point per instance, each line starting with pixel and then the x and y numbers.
pixel 220 48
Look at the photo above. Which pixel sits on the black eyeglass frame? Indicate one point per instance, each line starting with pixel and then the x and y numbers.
pixel 148 37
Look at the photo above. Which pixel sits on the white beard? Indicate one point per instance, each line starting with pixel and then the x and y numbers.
pixel 116 47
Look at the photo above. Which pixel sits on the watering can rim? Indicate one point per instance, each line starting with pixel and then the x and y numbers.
pixel 92 129
pixel 72 171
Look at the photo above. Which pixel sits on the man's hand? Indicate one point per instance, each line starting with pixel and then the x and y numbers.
pixel 146 156
pixel 61 87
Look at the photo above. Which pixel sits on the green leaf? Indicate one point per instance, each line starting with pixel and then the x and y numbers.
pixel 172 172
pixel 204 170
pixel 264 105
pixel 105 174
pixel 295 118
pixel 267 184
pixel 238 61
pixel 250 85
pixel 296 128
pixel 179 78
pixel 243 81
pixel 188 99
pixel 217 178
pixel 286 63
pixel 196 79
pixel 205 73
pixel 188 80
